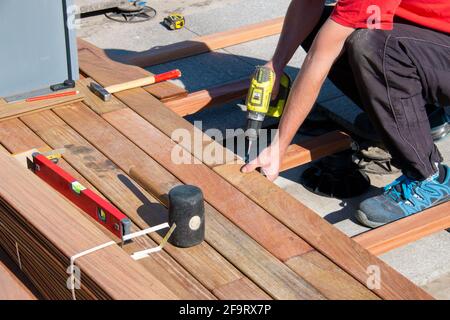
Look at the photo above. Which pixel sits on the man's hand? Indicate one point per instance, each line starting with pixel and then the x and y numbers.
pixel 278 75
pixel 268 160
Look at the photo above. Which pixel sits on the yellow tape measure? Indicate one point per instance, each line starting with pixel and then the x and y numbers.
pixel 174 21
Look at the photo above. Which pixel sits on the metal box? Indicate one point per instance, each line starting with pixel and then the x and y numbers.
pixel 38 45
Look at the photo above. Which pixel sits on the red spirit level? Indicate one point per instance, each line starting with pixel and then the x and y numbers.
pixel 99 209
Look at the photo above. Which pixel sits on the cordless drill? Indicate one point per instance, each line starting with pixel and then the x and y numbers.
pixel 259 103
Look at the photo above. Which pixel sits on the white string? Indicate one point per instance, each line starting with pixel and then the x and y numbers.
pixel 145 253
pixel 142 254
pixel 79 255
pixel 146 231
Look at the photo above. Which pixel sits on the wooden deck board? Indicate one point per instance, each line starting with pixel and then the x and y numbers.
pixel 241 289
pixel 54 230
pixel 407 230
pixel 239 249
pixel 196 101
pixel 217 181
pixel 95 63
pixel 13 110
pixel 328 278
pixel 271 234
pixel 13 286
pixel 177 280
pixel 206 43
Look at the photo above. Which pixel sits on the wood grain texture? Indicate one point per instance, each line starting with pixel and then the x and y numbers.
pixel 196 101
pixel 95 63
pixel 13 285
pixel 331 242
pixel 203 261
pixel 13 110
pixel 271 234
pixel 254 261
pixel 178 280
pixel 244 253
pixel 329 279
pixel 314 149
pixel 114 183
pixel 407 230
pixel 205 44
pixel 167 121
pixel 94 102
pixel 241 289
pixel 53 227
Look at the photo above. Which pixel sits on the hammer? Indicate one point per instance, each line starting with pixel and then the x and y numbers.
pixel 105 93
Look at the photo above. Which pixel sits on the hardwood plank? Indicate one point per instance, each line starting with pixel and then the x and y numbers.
pixel 314 149
pixel 203 261
pixel 13 110
pixel 166 91
pixel 113 182
pixel 315 146
pixel 401 232
pixel 48 219
pixel 175 277
pixel 199 45
pixel 271 234
pixel 95 63
pixel 255 262
pixel 199 100
pixel 12 286
pixel 17 138
pixel 94 102
pixel 331 242
pixel 328 278
pixel 167 121
pixel 242 289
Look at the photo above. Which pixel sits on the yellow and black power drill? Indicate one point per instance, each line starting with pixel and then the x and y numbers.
pixel 259 103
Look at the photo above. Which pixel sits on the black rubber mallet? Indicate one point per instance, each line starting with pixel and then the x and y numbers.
pixel 186 209
pixel 187 212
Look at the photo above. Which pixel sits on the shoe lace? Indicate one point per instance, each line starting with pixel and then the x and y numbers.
pixel 401 189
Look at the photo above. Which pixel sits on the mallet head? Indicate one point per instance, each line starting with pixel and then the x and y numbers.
pixel 100 91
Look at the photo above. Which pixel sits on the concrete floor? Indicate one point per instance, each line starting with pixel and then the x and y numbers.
pixel 425 262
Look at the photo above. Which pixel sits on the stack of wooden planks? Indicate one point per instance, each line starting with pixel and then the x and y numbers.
pixel 42 231
pixel 261 243
pixel 13 284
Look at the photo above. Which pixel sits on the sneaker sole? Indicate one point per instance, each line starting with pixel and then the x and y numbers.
pixel 362 217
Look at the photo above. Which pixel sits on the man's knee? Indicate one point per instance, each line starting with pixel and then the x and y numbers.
pixel 366 44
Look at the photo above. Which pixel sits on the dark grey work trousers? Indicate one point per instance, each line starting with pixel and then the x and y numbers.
pixel 393 75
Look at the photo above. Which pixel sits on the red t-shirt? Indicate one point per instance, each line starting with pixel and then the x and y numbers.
pixel 379 14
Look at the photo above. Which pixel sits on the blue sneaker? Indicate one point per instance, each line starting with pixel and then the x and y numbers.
pixel 403 198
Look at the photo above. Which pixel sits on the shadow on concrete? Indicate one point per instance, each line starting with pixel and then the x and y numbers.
pixel 200 71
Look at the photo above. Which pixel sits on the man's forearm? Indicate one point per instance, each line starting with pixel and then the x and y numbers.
pixel 301 18
pixel 326 48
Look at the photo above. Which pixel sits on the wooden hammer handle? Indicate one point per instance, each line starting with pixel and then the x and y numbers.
pixel 144 81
